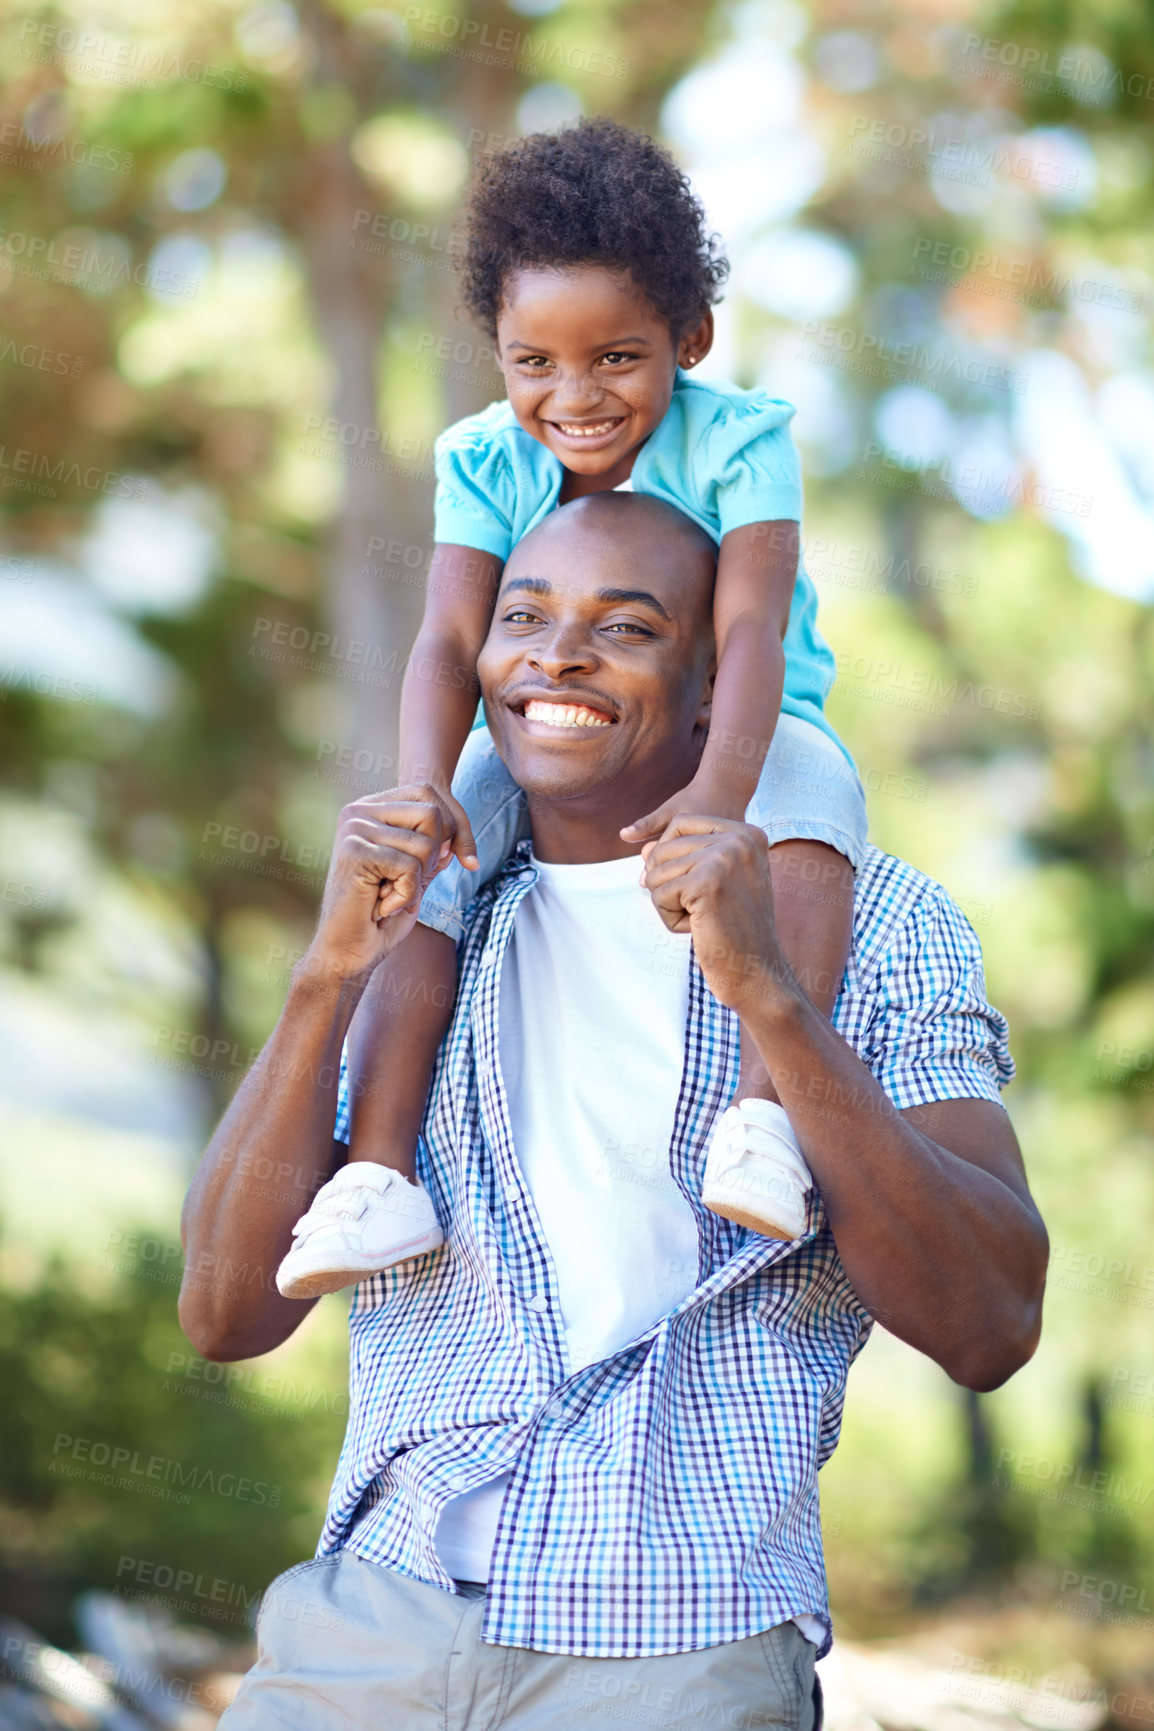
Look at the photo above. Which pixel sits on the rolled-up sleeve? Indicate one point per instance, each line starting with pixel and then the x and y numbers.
pixel 934 1035
pixel 341 1127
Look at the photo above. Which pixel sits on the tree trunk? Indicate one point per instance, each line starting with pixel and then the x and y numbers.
pixel 349 291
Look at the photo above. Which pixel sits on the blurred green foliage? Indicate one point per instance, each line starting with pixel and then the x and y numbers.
pixel 295 174
pixel 133 1466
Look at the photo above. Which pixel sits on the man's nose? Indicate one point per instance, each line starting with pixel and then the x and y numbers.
pixel 568 648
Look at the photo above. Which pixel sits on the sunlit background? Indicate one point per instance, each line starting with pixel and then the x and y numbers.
pixel 228 337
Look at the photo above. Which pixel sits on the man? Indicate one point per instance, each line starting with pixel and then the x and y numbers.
pixel 580 1473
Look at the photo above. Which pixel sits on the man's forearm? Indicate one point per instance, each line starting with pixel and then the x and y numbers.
pixel 948 1255
pixel 930 1209
pixel 271 1153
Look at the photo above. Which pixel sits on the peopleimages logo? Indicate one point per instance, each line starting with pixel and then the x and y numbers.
pixel 43 473
pixel 93 267
pixel 19 144
pixel 934 258
pixel 870 353
pixel 42 360
pixel 921 687
pixel 120 62
pixel 146 1572
pixel 1089 74
pixel 128 1469
pixel 1111 1601
pixel 470 39
pixel 952 157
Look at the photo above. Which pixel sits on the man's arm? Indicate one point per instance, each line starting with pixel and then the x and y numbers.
pixel 274 1146
pixel 929 1208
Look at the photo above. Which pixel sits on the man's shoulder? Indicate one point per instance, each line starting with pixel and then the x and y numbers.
pixel 893 904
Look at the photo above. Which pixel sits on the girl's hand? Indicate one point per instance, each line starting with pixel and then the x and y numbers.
pixel 458 833
pixel 456 838
pixel 699 799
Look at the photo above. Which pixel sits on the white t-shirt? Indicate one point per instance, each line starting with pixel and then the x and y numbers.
pixel 594 999
pixel 594 1002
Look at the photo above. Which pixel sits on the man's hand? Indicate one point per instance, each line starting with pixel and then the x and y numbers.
pixel 710 877
pixel 456 834
pixel 388 847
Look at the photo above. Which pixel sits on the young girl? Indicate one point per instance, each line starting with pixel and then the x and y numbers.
pixel 588 265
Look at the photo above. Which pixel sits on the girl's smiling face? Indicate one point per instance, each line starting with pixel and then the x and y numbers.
pixel 589 364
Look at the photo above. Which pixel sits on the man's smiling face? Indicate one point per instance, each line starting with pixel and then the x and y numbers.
pixel 597 669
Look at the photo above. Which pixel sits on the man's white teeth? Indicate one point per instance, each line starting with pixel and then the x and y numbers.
pixel 564 715
pixel 580 432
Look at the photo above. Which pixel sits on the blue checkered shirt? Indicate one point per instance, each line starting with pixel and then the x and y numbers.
pixel 663 1498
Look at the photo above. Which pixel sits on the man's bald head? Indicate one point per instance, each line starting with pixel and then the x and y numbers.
pixel 646 532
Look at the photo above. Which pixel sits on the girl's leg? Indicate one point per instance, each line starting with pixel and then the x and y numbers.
pixel 813 913
pixel 755 1171
pixel 373 1213
pixel 405 1014
pixel 393 1042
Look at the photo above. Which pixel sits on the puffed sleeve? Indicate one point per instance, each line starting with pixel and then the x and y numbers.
pixel 473 505
pixel 751 453
pixel 934 1035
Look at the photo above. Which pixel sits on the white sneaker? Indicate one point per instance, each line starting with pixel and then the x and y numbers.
pixel 755 1172
pixel 363 1220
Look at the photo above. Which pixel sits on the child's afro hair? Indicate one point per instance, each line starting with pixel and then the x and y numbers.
pixel 593 193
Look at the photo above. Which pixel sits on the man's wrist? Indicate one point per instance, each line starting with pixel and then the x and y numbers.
pixel 770 997
pixel 330 979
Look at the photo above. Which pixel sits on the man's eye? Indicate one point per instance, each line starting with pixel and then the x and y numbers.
pixel 521 616
pixel 632 626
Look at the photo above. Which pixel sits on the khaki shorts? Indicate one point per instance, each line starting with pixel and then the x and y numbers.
pixel 347 1644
